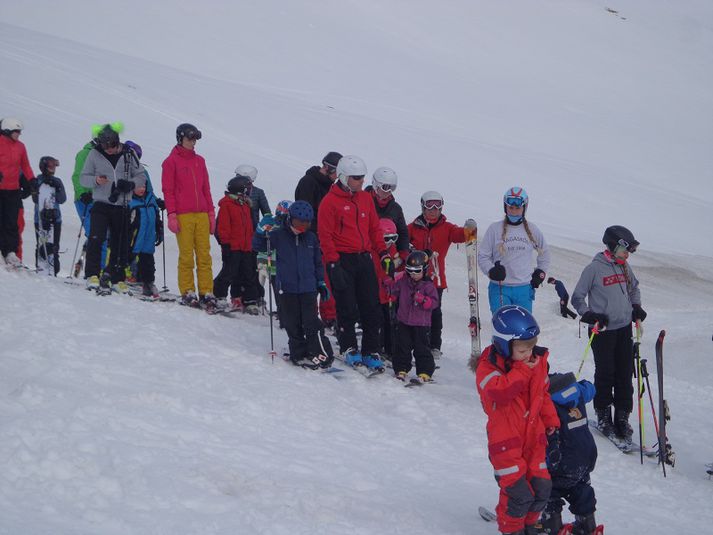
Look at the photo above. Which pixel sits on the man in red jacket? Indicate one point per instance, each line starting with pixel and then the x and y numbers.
pixel 13 161
pixel 431 232
pixel 348 229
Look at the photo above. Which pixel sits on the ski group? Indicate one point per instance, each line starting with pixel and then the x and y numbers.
pixel 341 255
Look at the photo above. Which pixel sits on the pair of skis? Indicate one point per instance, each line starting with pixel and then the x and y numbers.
pixel 46 215
pixel 490 516
pixel 471 253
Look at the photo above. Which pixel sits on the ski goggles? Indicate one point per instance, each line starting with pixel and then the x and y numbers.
pixel 356 177
pixel 515 202
pixel 390 239
pixel 432 205
pixel 331 169
pixel 631 247
pixel 415 269
pixel 387 188
pixel 193 134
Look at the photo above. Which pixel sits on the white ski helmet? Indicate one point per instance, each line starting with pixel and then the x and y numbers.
pixel 248 171
pixel 385 176
pixel 431 198
pixel 9 124
pixel 350 166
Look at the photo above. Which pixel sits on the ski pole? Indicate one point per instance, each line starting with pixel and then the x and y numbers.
pixel 637 362
pixel 163 252
pixel 269 294
pixel 645 374
pixel 79 237
pixel 595 331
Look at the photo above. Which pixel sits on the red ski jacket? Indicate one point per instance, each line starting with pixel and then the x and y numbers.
pixel 384 295
pixel 517 402
pixel 185 184
pixel 436 238
pixel 13 159
pixel 348 223
pixel 235 224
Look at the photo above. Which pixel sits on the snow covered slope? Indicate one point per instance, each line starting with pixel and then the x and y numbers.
pixel 118 416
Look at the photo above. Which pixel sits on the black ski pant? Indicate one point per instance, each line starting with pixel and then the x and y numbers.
pixel 613 369
pixel 112 219
pixel 10 204
pixel 577 492
pixel 239 271
pixel 388 329
pixel 413 339
pixel 303 326
pixel 146 267
pixel 437 323
pixel 52 246
pixel 357 299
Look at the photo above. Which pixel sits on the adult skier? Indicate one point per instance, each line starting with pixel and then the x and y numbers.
pixel 382 188
pixel 608 294
pixel 506 255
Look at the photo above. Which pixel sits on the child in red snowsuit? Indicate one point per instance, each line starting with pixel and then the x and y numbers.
pixel 387 340
pixel 511 378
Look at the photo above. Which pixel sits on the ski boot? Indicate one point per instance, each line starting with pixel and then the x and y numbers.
pixel 353 358
pixel 236 304
pixel 209 303
pixel 149 290
pixel 104 287
pixel 373 361
pixel 584 525
pixel 550 522
pixel 120 288
pixel 531 529
pixel 252 309
pixel 425 378
pixel 604 421
pixel 401 376
pixel 189 299
pixel 93 283
pixel 622 429
pixel 12 260
pixel 305 362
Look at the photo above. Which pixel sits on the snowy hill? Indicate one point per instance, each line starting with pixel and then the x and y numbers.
pixel 118 416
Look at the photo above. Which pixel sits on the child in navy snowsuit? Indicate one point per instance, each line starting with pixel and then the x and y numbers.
pixel 571 456
pixel 564 298
pixel 299 277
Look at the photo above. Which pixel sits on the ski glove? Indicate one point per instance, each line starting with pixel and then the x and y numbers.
pixel 86 198
pixel 265 225
pixel 211 222
pixel 554 454
pixel 638 314
pixel 387 263
pixel 324 294
pixel 537 277
pixel 470 230
pixel 593 317
pixel 52 182
pixel 497 272
pixel 337 276
pixel 159 233
pixel 124 186
pixel 420 299
pixel 173 224
pixel 161 204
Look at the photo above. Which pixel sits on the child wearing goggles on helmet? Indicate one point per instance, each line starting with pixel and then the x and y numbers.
pixel 384 269
pixel 511 378
pixel 417 297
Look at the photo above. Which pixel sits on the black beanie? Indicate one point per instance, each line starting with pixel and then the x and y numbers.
pixel 332 158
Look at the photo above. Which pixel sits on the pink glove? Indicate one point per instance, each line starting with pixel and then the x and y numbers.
pixel 173 224
pixel 418 297
pixel 211 222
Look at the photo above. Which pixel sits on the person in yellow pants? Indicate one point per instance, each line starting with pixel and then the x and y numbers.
pixel 191 216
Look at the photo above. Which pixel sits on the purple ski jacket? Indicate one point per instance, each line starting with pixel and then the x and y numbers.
pixel 411 313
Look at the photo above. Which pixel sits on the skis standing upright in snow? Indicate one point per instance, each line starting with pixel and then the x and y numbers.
pixel 666 454
pixel 45 231
pixel 471 253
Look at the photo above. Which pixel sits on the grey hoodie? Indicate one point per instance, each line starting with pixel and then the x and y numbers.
pixel 609 288
pixel 96 165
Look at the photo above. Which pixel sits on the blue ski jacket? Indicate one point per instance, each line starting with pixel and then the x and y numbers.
pixel 144 223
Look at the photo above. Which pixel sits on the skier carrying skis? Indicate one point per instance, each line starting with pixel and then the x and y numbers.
pixel 113 173
pixel 49 217
pixel 234 233
pixel 562 293
pixel 348 229
pixel 191 216
pixel 417 297
pixel 313 187
pixel 13 162
pixel 383 185
pixel 511 377
pixel 608 295
pixel 432 233
pixel 300 277
pixel 571 456
pixel 505 255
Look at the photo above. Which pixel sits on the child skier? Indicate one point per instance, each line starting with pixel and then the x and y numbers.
pixel 608 294
pixel 505 255
pixel 145 233
pixel 417 297
pixel 430 232
pixel 49 217
pixel 571 456
pixel 388 307
pixel 300 277
pixel 511 377
pixel 266 224
pixel 562 293
pixel 234 232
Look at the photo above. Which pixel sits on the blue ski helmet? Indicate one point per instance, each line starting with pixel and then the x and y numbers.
pixel 301 210
pixel 512 322
pixel 515 196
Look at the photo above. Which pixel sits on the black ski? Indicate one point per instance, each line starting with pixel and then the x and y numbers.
pixel 666 454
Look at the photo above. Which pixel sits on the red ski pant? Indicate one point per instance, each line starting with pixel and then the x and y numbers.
pixel 525 487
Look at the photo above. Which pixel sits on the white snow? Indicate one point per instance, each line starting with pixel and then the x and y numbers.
pixel 118 416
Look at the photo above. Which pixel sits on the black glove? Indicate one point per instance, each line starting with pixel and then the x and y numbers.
pixel 124 186
pixel 497 272
pixel 159 233
pixel 161 204
pixel 52 182
pixel 593 317
pixel 537 277
pixel 86 198
pixel 638 313
pixel 554 454
pixel 337 276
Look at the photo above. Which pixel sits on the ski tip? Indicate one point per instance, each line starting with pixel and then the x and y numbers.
pixel 662 334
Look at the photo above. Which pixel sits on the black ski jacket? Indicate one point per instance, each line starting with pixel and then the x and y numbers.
pixel 312 188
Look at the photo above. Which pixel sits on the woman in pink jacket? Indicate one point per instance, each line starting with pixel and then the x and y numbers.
pixel 191 216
